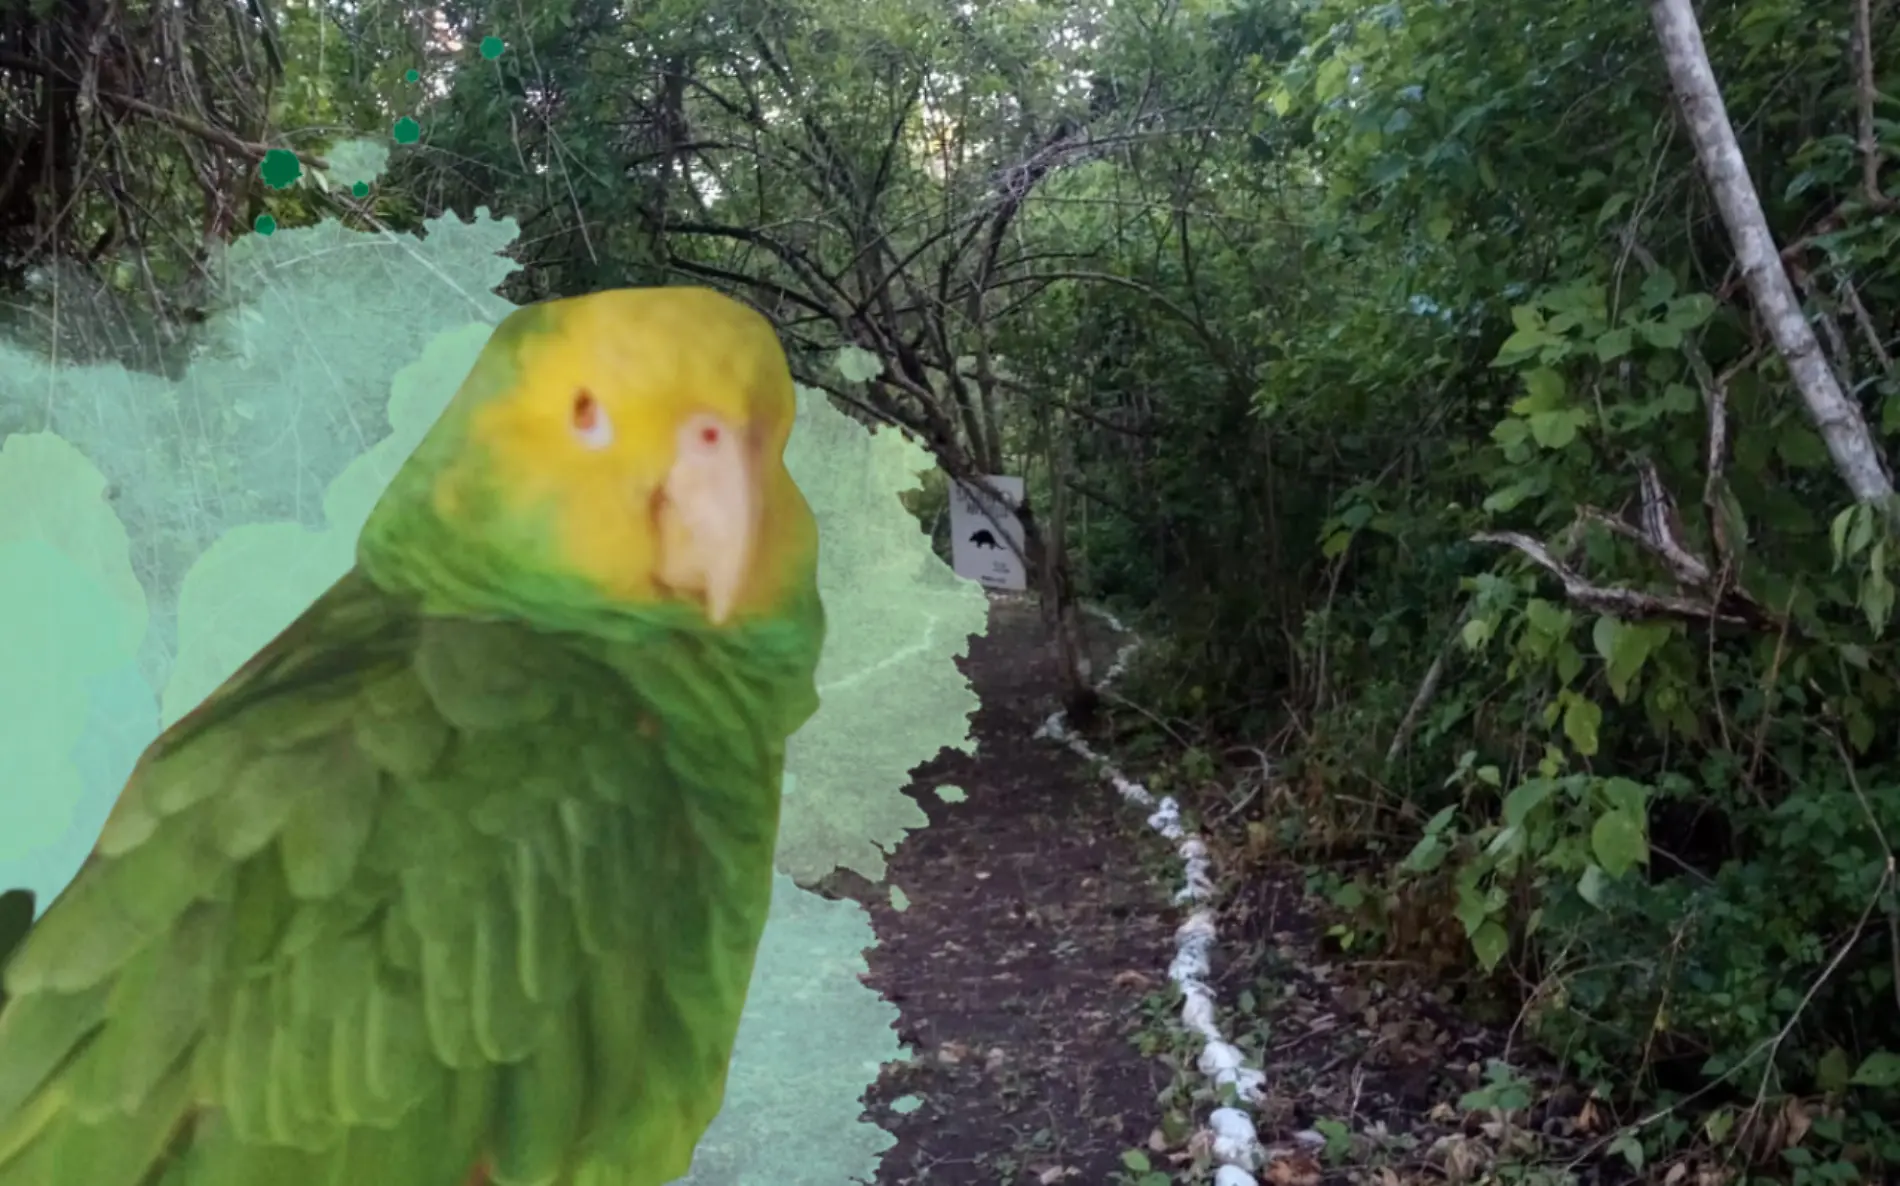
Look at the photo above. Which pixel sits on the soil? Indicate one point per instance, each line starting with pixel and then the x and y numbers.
pixel 1030 958
pixel 1030 942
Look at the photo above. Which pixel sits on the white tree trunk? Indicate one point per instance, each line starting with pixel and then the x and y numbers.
pixel 1836 417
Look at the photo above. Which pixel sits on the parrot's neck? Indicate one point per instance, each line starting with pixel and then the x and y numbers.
pixel 766 663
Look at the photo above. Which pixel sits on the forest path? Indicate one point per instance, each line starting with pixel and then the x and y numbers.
pixel 1028 958
pixel 1032 946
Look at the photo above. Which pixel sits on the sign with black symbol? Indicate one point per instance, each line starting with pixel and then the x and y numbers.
pixel 986 537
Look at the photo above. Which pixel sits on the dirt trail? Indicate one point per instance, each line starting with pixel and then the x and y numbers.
pixel 1031 940
pixel 1030 958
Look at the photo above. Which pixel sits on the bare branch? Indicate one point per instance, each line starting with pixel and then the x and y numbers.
pixel 1624 603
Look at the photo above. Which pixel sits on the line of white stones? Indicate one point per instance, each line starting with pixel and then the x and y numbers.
pixel 1234 1144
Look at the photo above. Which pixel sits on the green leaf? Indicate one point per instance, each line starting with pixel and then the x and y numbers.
pixel 1546 388
pixel 1135 1160
pixel 1521 345
pixel 1861 533
pixel 1426 856
pixel 1626 795
pixel 1657 288
pixel 1477 632
pixel 1592 885
pixel 1604 634
pixel 1802 448
pixel 1582 719
pixel 1617 840
pixel 1679 398
pixel 1879 1069
pixel 1471 910
pixel 1838 532
pixel 1510 432
pixel 1660 334
pixel 1554 430
pixel 1630 1147
pixel 1489 943
pixel 1691 311
pixel 1525 798
pixel 1625 648
pixel 1512 495
pixel 1527 318
pixel 1614 344
pixel 1832 1073
pixel 1547 617
pixel 1876 597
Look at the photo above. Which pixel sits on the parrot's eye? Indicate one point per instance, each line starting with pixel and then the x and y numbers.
pixel 590 421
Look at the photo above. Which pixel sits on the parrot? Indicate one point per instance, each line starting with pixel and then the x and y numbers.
pixel 460 879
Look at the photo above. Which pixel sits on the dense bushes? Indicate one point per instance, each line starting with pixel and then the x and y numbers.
pixel 1661 791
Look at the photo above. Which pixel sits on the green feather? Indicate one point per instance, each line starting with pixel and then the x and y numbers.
pixel 397 1065
pixel 166 990
pixel 447 976
pixel 327 828
pixel 115 906
pixel 540 1106
pixel 39 1032
pixel 476 675
pixel 547 949
pixel 505 1022
pixel 194 769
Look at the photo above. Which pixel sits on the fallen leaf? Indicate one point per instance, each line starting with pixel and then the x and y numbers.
pixel 1798 1122
pixel 1297 1169
pixel 1131 979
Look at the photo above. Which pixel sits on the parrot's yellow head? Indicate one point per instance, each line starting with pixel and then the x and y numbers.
pixel 631 441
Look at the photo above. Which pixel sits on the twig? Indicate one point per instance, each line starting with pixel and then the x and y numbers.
pixel 1427 688
pixel 184 123
pixel 1865 92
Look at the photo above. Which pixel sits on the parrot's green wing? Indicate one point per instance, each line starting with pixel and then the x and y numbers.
pixel 370 916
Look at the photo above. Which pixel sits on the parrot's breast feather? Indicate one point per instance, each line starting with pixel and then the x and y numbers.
pixel 405 896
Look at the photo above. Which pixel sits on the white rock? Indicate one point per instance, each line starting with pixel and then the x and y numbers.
pixel 1235 1142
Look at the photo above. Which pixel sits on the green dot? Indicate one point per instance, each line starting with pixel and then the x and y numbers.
pixel 406 131
pixel 900 901
pixel 491 48
pixel 951 794
pixel 360 189
pixel 413 76
pixel 904 1105
pixel 280 168
pixel 264 225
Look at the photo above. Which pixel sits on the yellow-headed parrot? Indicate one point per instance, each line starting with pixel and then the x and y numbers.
pixel 460 879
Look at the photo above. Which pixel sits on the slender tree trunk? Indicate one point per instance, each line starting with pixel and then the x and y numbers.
pixel 1834 415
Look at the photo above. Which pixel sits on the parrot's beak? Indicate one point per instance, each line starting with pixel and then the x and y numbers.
pixel 709 515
